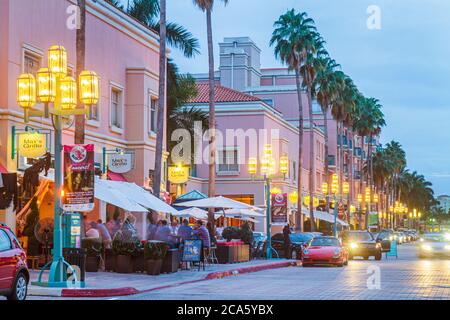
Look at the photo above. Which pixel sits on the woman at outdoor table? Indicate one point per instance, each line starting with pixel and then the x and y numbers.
pixel 202 233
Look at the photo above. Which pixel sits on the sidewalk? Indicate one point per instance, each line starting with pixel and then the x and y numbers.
pixel 110 284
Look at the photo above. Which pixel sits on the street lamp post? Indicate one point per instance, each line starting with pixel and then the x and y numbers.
pixel 336 196
pixel 54 85
pixel 267 170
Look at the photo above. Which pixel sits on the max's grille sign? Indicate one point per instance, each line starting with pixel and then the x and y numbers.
pixel 178 175
pixel 32 145
pixel 120 163
pixel 79 178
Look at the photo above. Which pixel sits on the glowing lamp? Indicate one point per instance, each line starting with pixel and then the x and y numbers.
pixel 68 89
pixel 325 188
pixel 360 198
pixel 367 194
pixel 252 165
pixel 46 86
pixel 375 198
pixel 57 60
pixel 345 187
pixel 275 190
pixel 284 164
pixel 293 197
pixel 26 91
pixel 268 150
pixel 89 87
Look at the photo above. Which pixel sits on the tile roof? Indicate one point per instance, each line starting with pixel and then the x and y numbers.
pixel 222 94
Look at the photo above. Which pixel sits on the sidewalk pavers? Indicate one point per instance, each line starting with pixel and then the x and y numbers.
pixel 110 284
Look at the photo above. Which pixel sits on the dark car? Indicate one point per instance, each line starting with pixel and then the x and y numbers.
pixel 361 244
pixel 297 242
pixel 384 237
pixel 14 275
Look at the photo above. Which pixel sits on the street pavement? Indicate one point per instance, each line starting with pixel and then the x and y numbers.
pixel 404 278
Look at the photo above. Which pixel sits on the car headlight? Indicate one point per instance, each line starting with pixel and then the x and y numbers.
pixel 447 247
pixel 391 238
pixel 353 245
pixel 378 245
pixel 426 247
pixel 421 239
pixel 447 236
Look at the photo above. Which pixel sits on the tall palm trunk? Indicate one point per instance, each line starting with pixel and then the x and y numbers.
pixel 327 166
pixel 162 100
pixel 350 179
pixel 361 182
pixel 299 216
pixel 212 117
pixel 81 55
pixel 312 167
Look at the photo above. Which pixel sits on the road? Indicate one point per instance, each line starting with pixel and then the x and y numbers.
pixel 393 279
pixel 404 278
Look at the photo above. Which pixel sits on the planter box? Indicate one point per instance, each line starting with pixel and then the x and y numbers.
pixel 171 262
pixel 110 260
pixel 124 264
pixel 139 263
pixel 92 264
pixel 233 253
pixel 153 267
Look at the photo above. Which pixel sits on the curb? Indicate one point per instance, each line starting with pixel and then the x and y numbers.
pixel 228 273
pixel 127 291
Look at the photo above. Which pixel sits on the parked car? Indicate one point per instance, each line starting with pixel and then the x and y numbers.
pixel 434 245
pixel 399 237
pixel 297 242
pixel 384 238
pixel 14 275
pixel 326 251
pixel 361 244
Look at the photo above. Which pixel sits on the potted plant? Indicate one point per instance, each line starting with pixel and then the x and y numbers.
pixel 231 233
pixel 93 248
pixel 125 245
pixel 154 253
pixel 247 237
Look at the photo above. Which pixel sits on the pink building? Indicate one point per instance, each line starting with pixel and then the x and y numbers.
pixel 240 69
pixel 123 52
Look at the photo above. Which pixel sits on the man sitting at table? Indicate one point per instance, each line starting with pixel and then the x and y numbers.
pixel 202 233
pixel 184 231
pixel 164 234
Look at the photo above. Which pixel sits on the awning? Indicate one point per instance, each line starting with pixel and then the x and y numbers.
pixel 3 169
pixel 324 216
pixel 139 195
pixel 104 191
pixel 116 176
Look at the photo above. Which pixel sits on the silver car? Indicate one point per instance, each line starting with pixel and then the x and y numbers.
pixel 434 245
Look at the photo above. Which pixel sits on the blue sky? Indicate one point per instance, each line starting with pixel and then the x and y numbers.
pixel 406 64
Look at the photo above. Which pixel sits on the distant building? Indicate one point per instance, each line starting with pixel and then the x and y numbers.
pixel 444 202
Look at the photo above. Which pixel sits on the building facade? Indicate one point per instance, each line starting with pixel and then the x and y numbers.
pixel 125 55
pixel 240 69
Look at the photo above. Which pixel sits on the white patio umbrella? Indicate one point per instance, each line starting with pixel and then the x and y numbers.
pixel 248 219
pixel 216 202
pixel 243 212
pixel 116 198
pixel 193 212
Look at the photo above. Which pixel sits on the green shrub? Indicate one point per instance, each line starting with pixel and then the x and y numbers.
pixel 155 250
pixel 246 233
pixel 126 242
pixel 231 233
pixel 93 246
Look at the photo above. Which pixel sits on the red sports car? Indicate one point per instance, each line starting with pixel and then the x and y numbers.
pixel 14 275
pixel 326 251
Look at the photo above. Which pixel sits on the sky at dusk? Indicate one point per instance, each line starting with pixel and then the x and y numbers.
pixel 405 64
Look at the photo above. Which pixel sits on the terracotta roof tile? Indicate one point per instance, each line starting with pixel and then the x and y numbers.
pixel 222 94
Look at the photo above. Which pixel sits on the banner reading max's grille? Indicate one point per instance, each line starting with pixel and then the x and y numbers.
pixel 78 178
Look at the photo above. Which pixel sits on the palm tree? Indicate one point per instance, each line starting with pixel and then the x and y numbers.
pixel 180 90
pixel 207 7
pixel 326 90
pixel 289 35
pixel 161 99
pixel 81 55
pixel 147 12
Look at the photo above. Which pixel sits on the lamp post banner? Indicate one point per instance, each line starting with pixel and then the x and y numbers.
pixel 78 178
pixel 279 208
